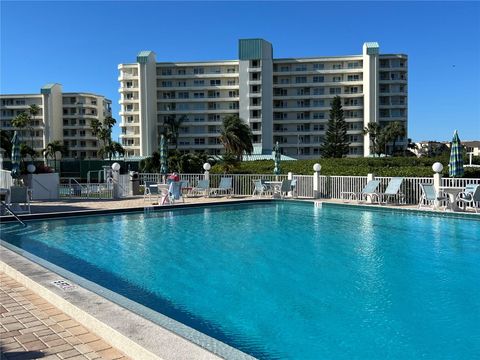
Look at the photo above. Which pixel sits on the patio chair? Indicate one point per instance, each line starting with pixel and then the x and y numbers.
pixel 285 188
pixel 202 188
pixel 175 191
pixel 150 189
pixel 393 190
pixel 369 190
pixel 429 197
pixel 19 199
pixel 470 197
pixel 186 188
pixel 225 186
pixel 260 188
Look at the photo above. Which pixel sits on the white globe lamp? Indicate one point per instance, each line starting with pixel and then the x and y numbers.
pixel 207 166
pixel 31 168
pixel 437 167
pixel 317 167
pixel 115 166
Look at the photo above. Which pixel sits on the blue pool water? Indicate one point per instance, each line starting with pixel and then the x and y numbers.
pixel 287 280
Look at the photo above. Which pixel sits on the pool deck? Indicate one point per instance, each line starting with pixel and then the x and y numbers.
pixel 31 328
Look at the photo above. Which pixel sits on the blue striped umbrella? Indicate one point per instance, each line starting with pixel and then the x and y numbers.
pixel 163 155
pixel 455 166
pixel 15 156
pixel 277 156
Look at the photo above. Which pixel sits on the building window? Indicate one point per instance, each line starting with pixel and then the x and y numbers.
pixel 198 82
pixel 199 141
pixel 181 71
pixel 337 79
pixel 300 79
pixel 301 67
pixel 353 77
pixel 336 66
pixel 198 95
pixel 336 90
pixel 198 71
pixel 318 66
pixel 318 91
pixel 166 71
pixel 318 79
pixel 214 82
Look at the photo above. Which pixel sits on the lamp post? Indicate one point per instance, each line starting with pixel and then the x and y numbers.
pixel 437 180
pixel 207 168
pixel 115 177
pixel 316 180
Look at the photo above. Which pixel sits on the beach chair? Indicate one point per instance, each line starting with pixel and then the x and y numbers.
pixel 259 188
pixel 150 189
pixel 225 187
pixel 370 190
pixel 393 190
pixel 19 199
pixel 429 197
pixel 285 188
pixel 175 191
pixel 470 197
pixel 202 188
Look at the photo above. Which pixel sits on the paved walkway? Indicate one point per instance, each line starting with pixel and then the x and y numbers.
pixel 32 328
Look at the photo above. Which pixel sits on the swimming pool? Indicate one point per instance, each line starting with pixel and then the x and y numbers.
pixel 286 280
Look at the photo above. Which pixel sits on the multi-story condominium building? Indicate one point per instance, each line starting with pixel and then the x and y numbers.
pixel 284 100
pixel 63 116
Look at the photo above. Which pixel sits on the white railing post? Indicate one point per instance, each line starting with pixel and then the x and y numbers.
pixel 437 180
pixel 290 177
pixel 316 180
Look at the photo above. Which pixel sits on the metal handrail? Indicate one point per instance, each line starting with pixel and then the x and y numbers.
pixel 13 213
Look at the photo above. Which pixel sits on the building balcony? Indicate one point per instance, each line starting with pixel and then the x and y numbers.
pixel 123 77
pixel 127 89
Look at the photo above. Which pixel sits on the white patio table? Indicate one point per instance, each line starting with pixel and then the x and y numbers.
pixel 452 193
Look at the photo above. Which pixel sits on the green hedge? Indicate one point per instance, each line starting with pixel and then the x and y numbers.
pixel 392 166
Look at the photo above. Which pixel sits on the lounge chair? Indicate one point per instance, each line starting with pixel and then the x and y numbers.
pixel 393 190
pixel 225 186
pixel 19 199
pixel 429 197
pixel 369 190
pixel 175 191
pixel 261 188
pixel 471 196
pixel 285 188
pixel 202 188
pixel 151 189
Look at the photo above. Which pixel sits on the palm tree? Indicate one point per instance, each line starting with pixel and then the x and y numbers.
pixel 21 121
pixel 33 111
pixel 52 148
pixel 174 127
pixel 111 149
pixel 6 141
pixel 236 136
pixel 394 131
pixel 373 129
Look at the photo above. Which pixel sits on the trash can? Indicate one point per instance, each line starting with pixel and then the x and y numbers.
pixel 134 183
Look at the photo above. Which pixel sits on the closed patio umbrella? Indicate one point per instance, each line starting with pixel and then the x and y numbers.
pixel 15 156
pixel 163 155
pixel 277 156
pixel 455 166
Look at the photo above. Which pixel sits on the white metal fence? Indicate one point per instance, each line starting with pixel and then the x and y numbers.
pixel 75 190
pixel 330 187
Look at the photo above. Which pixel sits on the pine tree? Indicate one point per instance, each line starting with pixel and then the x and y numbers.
pixel 336 142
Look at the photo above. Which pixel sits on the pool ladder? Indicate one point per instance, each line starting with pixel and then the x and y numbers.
pixel 13 213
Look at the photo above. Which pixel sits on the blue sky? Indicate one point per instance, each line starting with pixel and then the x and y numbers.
pixel 80 45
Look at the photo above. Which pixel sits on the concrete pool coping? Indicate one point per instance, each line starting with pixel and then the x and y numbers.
pixel 125 326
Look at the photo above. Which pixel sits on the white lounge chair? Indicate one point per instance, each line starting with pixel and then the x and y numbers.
pixel 19 199
pixel 393 190
pixel 225 187
pixel 429 197
pixel 202 188
pixel 471 196
pixel 370 190
pixel 151 189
